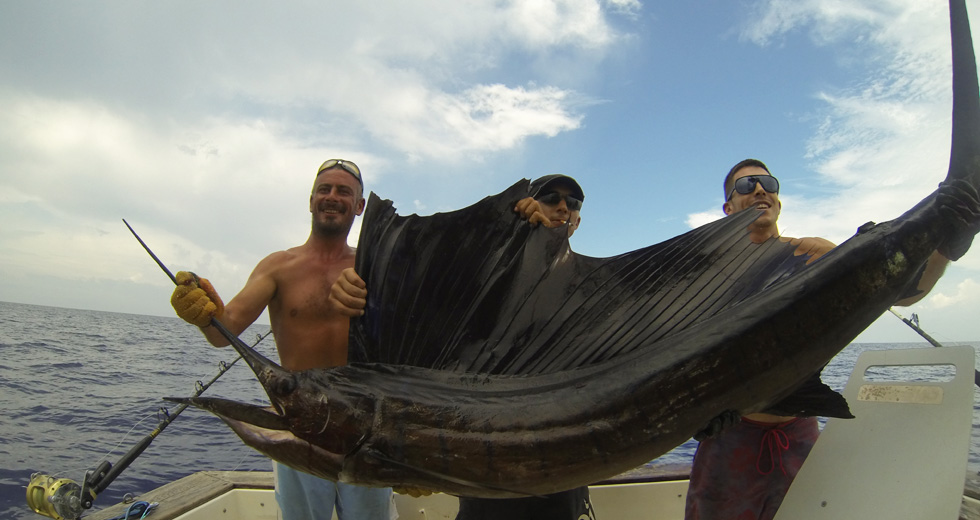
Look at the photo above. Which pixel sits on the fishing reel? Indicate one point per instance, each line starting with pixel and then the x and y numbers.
pixel 63 498
pixel 60 498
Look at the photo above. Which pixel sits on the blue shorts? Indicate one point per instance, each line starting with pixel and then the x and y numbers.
pixel 302 496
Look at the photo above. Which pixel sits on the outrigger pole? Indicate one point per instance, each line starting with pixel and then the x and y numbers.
pixel 64 498
pixel 914 324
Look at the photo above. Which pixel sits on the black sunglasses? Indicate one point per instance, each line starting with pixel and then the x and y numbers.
pixel 552 198
pixel 746 185
pixel 347 166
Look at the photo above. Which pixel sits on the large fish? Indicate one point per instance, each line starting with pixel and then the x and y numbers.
pixel 493 361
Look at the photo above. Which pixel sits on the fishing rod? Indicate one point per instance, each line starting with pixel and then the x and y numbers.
pixel 65 499
pixel 214 321
pixel 914 324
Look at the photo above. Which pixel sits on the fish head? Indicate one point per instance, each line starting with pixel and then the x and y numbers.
pixel 321 406
pixel 312 425
pixel 314 421
pixel 314 405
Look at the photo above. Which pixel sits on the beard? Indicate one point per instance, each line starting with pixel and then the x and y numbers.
pixel 332 227
pixel 335 224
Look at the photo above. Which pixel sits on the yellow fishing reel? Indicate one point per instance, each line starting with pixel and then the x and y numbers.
pixel 60 498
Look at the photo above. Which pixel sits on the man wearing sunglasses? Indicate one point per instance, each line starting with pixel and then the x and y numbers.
pixel 309 332
pixel 744 465
pixel 555 200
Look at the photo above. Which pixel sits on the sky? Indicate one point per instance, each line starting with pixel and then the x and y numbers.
pixel 202 124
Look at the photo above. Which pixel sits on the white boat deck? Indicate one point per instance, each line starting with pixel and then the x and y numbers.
pixel 231 495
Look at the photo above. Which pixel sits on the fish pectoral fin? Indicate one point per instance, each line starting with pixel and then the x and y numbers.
pixel 813 398
pixel 722 422
pixel 246 413
pixel 475 485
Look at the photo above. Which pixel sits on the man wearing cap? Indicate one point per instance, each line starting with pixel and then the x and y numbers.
pixel 555 200
pixel 744 466
pixel 309 333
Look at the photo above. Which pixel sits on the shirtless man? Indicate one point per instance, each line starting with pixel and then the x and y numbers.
pixel 295 284
pixel 745 470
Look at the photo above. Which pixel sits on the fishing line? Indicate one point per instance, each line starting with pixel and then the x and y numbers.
pixel 162 413
pixel 96 440
pixel 124 437
pixel 242 461
pixel 63 498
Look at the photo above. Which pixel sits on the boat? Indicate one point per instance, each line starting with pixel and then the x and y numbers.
pixel 903 456
pixel 649 492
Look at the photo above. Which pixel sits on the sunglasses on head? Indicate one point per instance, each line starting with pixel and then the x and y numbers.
pixel 746 185
pixel 552 198
pixel 347 166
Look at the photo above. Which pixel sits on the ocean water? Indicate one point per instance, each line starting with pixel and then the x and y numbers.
pixel 78 387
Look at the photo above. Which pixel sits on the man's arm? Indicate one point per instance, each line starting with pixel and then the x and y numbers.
pixel 814 247
pixel 959 204
pixel 933 270
pixel 930 274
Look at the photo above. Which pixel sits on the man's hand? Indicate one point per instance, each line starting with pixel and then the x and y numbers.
pixel 195 299
pixel 815 247
pixel 530 209
pixel 348 294
pixel 412 491
pixel 960 206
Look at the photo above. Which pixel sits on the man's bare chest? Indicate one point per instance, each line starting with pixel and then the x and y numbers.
pixel 305 292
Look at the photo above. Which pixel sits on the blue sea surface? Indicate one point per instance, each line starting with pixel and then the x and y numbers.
pixel 78 387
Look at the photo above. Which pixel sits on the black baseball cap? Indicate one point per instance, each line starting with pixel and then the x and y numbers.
pixel 539 185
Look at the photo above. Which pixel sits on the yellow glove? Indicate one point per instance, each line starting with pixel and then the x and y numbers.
pixel 195 299
pixel 411 491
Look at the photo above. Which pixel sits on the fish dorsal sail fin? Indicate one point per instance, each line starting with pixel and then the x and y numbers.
pixel 479 290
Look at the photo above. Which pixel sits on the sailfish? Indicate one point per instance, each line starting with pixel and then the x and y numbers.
pixel 493 361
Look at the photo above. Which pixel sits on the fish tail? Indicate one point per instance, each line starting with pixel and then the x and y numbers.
pixel 964 158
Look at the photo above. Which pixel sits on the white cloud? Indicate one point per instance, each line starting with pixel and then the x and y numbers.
pixel 413 75
pixel 481 119
pixel 201 122
pixel 704 217
pixel 967 293
pixel 869 128
pixel 829 20
pixel 180 188
pixel 549 22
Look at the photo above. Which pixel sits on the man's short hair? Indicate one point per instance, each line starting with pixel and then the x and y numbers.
pixel 538 185
pixel 739 166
